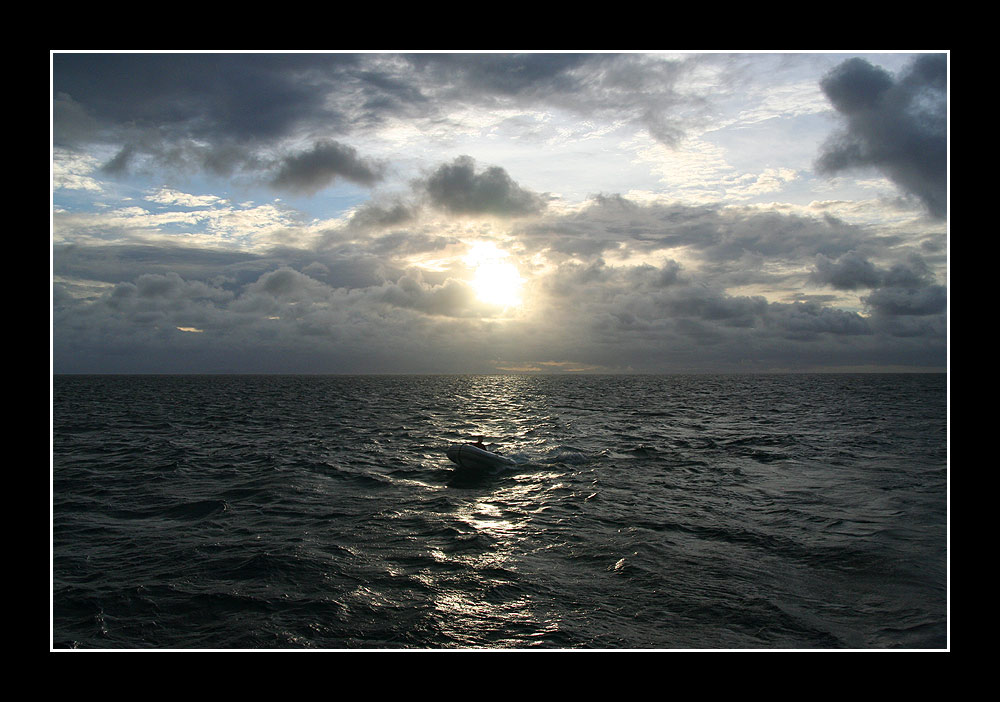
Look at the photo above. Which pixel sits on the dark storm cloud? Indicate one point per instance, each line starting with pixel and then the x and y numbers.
pixel 243 96
pixel 907 288
pixel 224 112
pixel 849 272
pixel 895 302
pixel 218 112
pixel 312 170
pixel 896 124
pixel 458 188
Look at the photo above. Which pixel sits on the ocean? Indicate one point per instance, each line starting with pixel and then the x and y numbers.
pixel 643 512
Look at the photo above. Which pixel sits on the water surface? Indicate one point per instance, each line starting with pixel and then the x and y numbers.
pixel 644 512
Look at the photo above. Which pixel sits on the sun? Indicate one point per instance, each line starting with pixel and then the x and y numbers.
pixel 498 284
pixel 496 280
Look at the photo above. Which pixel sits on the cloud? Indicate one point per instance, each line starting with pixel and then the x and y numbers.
pixel 910 277
pixel 908 289
pixel 665 95
pixel 904 300
pixel 640 276
pixel 121 161
pixel 896 124
pixel 730 241
pixel 312 170
pixel 202 96
pixel 457 188
pixel 227 114
pixel 895 301
pixel 453 298
pixel 849 272
pixel 222 113
pixel 379 215
pixel 350 312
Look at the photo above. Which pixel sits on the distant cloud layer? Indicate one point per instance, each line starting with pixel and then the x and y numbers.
pixel 638 317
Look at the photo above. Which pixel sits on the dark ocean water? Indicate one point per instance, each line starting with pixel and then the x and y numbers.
pixel 645 512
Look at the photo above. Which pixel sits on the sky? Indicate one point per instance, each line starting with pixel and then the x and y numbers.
pixel 535 212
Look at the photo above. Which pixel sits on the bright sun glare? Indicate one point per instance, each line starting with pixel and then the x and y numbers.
pixel 496 281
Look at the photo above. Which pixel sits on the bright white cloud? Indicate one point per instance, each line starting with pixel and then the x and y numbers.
pixel 74 171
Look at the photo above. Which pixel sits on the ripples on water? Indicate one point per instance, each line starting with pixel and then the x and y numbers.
pixel 645 512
